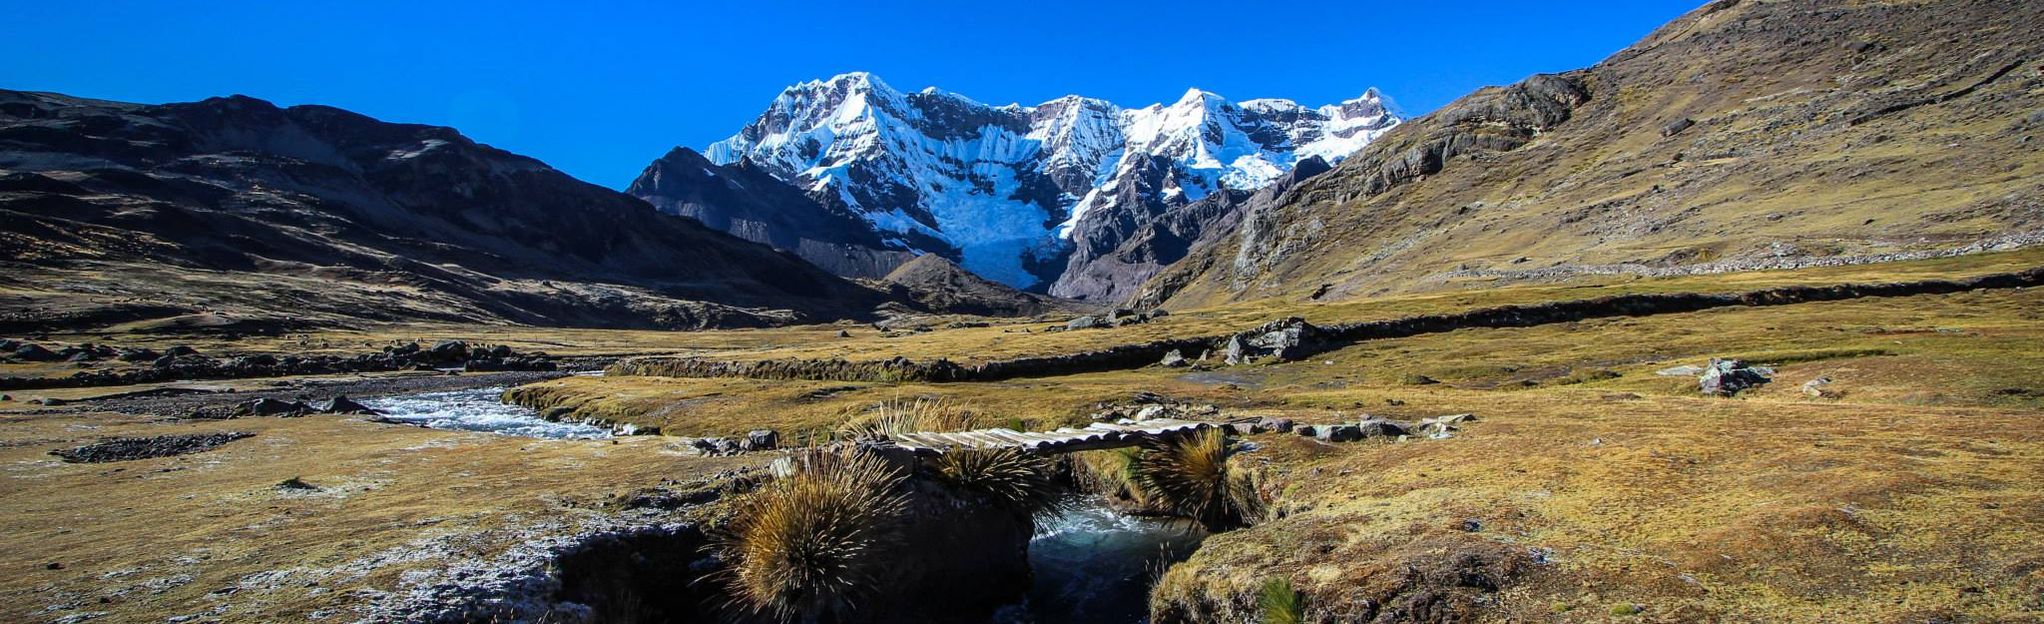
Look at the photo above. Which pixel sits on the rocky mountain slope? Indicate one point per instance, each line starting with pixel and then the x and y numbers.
pixel 232 208
pixel 1744 135
pixel 1007 191
pixel 746 201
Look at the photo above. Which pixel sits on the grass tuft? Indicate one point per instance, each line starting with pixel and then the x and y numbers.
pixel 891 418
pixel 1190 476
pixel 1018 481
pixel 810 545
pixel 1278 603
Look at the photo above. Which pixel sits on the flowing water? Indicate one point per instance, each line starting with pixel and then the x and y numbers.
pixel 1095 565
pixel 479 409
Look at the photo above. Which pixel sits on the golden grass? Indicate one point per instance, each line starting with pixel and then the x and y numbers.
pixel 811 546
pixel 1192 477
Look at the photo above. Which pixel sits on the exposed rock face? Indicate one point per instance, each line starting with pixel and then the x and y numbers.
pixel 320 215
pixel 1284 340
pixel 746 201
pixel 1000 189
pixel 1675 156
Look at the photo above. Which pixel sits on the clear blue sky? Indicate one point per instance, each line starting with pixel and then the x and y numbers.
pixel 599 91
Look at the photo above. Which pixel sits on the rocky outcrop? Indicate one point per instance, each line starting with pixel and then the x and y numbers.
pixel 937 285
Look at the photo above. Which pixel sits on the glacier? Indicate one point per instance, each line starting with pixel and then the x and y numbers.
pixel 1003 188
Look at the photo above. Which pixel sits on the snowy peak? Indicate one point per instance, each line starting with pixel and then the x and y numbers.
pixel 1001 188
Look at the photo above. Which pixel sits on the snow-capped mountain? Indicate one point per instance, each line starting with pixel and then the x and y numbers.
pixel 1011 191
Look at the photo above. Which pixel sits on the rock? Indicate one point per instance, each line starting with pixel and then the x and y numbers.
pixel 9 344
pixel 34 353
pixel 51 401
pixel 340 405
pixel 1083 322
pixel 1676 127
pixel 1274 423
pixel 762 440
pixel 1381 428
pixel 1284 339
pixel 1816 389
pixel 1157 314
pixel 1307 431
pixel 844 333
pixel 1418 380
pixel 448 351
pixel 138 355
pixel 1730 377
pixel 273 407
pixel 1338 433
pixel 179 351
pixel 1151 412
pixel 1174 359
pixel 125 449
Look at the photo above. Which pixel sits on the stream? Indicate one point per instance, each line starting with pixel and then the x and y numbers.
pixel 1096 565
pixel 479 409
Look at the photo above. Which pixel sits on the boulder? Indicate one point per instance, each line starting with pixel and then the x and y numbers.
pixel 1677 126
pixel 180 351
pixel 1284 339
pixel 1817 389
pixel 1338 433
pixel 138 355
pixel 1307 431
pixel 273 407
pixel 762 440
pixel 340 405
pixel 448 351
pixel 843 333
pixel 1174 359
pixel 1730 377
pixel 34 353
pixel 1381 428
pixel 1084 322
pixel 1274 423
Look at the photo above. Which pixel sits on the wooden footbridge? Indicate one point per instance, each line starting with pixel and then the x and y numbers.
pixel 1095 436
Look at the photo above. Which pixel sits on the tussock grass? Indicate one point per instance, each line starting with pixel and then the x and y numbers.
pixel 1015 480
pixel 1278 603
pixel 811 545
pixel 1191 476
pixel 896 417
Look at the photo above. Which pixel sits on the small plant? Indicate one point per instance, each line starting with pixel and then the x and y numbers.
pixel 811 545
pixel 1016 480
pixel 1278 603
pixel 1191 476
pixel 1108 473
pixel 1626 609
pixel 892 418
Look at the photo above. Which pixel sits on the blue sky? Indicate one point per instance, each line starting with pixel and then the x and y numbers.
pixel 599 89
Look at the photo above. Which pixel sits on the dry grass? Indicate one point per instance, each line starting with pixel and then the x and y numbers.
pixel 1023 483
pixel 1192 477
pixel 892 418
pixel 811 546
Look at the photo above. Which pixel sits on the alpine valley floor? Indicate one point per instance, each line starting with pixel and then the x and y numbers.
pixel 1909 488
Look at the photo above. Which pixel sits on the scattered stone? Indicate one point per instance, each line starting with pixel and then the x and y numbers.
pixel 1729 377
pixel 50 401
pixel 1418 380
pixel 1816 389
pixel 1283 339
pixel 1442 426
pixel 1676 127
pixel 1084 322
pixel 844 333
pixel 1274 423
pixel 34 353
pixel 53 566
pixel 1307 431
pixel 340 405
pixel 1174 359
pixel 1381 428
pixel 762 440
pixel 126 449
pixel 1338 433
pixel 295 483
pixel 273 407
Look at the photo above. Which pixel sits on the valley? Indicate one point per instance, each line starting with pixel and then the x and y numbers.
pixel 1744 323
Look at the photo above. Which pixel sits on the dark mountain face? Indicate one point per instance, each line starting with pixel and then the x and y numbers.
pixel 745 201
pixel 233 204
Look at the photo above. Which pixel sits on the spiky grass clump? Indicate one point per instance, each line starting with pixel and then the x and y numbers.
pixel 1278 603
pixel 1016 480
pixel 1190 476
pixel 891 418
pixel 810 545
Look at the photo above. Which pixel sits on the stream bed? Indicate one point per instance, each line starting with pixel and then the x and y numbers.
pixel 1096 565
pixel 479 409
